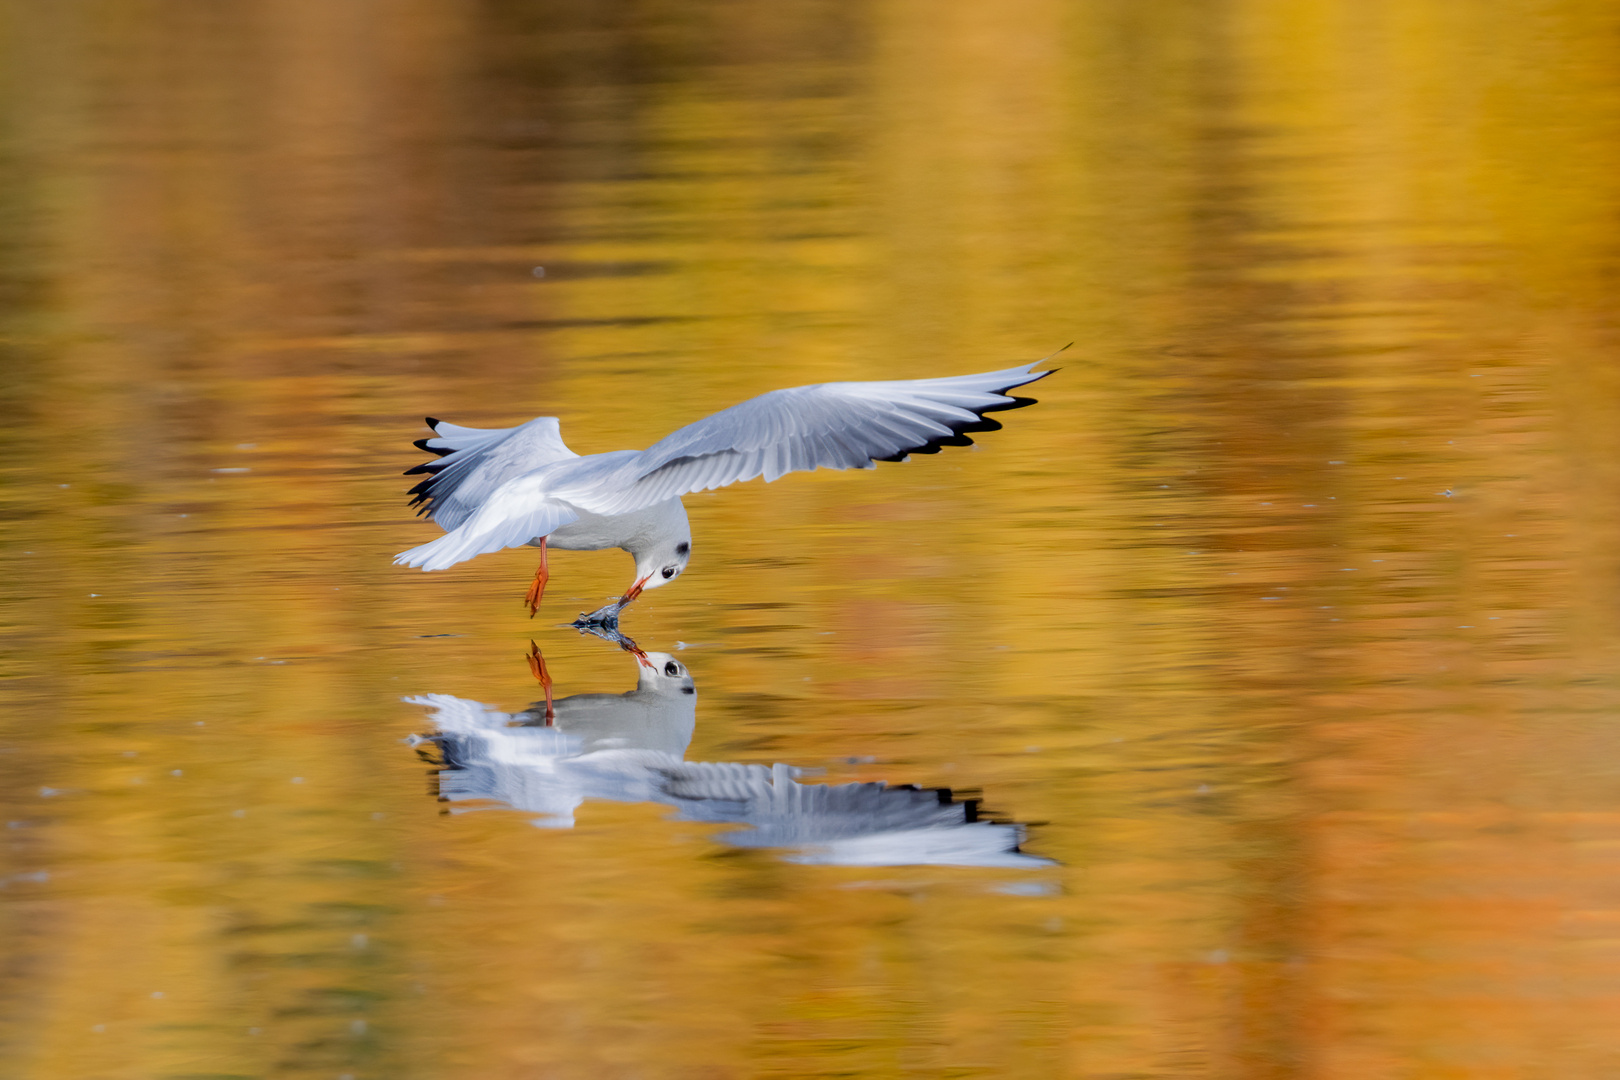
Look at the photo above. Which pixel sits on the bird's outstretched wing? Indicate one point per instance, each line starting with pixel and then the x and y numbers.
pixel 475 461
pixel 847 425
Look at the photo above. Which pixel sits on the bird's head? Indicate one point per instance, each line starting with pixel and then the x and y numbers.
pixel 662 563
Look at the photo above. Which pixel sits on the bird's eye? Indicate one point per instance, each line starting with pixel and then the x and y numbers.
pixel 672 668
pixel 669 572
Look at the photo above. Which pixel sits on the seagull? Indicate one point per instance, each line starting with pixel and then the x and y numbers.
pixel 522 486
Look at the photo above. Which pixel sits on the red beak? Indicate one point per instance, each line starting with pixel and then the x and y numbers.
pixel 635 590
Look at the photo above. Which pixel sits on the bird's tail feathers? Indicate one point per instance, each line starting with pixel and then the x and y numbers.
pixel 484 532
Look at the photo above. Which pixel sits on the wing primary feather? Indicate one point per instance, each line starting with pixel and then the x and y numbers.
pixel 844 453
pixel 825 451
pixel 896 433
pixel 810 453
pixel 1014 402
pixel 849 450
pixel 427 444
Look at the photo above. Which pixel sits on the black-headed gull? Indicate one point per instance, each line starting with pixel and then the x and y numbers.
pixel 511 487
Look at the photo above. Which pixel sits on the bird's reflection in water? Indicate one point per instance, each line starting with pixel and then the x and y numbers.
pixel 631 747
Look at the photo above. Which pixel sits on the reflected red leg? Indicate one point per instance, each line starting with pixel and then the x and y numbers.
pixel 537 588
pixel 633 592
pixel 537 667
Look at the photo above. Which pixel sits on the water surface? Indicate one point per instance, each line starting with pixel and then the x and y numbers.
pixel 1283 629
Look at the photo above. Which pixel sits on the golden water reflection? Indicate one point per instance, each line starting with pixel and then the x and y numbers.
pixel 1289 613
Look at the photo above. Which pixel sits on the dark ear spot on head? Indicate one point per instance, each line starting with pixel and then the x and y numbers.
pixel 682 548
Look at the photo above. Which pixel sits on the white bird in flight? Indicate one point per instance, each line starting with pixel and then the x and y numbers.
pixel 511 487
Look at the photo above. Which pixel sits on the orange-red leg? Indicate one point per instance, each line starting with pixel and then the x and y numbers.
pixel 537 588
pixel 537 667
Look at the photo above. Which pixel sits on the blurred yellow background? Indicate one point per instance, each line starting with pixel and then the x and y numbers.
pixel 1288 617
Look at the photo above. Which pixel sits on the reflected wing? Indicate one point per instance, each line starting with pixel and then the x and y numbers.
pixel 860 824
pixel 827 426
pixel 475 461
pixel 514 514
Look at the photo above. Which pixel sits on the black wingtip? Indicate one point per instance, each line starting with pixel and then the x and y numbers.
pixel 423 444
pixel 1034 377
pixel 432 423
pixel 960 430
pixel 1013 401
pixel 1039 375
